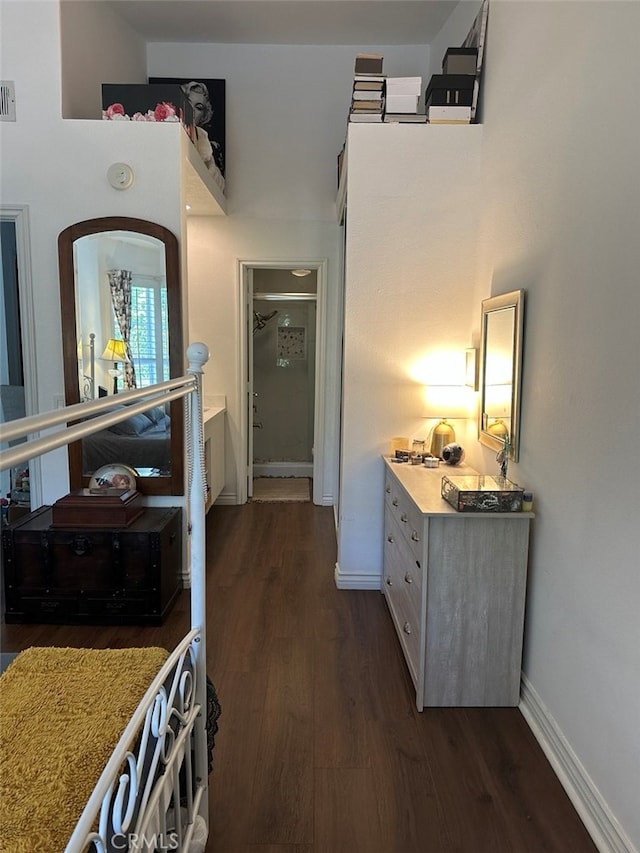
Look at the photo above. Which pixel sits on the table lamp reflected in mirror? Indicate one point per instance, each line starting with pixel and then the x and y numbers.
pixel 116 352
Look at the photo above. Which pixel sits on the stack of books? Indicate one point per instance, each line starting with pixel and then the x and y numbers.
pixel 402 96
pixel 368 96
pixel 449 96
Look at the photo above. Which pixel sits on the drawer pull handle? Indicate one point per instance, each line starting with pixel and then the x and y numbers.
pixel 404 517
pixel 395 501
pixel 415 536
pixel 390 538
pixel 388 490
pixel 408 578
pixel 389 582
pixel 406 628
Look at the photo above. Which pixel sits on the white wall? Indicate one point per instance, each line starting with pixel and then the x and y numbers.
pixel 410 260
pixel 86 62
pixel 59 171
pixel 562 190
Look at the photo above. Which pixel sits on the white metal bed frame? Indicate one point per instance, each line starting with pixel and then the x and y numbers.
pixel 152 794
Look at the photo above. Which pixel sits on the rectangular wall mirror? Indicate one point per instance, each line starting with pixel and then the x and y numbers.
pixel 502 324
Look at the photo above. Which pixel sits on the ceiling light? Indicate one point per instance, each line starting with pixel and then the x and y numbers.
pixel 300 273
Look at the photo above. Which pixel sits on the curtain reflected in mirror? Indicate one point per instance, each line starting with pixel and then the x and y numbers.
pixel 121 331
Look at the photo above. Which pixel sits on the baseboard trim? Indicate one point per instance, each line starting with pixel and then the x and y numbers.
pixel 602 826
pixel 351 580
pixel 226 499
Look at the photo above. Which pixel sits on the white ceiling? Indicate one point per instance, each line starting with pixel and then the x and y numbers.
pixel 348 22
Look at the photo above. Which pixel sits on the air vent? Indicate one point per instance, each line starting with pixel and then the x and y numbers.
pixel 7 100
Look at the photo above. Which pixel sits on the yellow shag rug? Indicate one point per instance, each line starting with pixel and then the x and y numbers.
pixel 62 712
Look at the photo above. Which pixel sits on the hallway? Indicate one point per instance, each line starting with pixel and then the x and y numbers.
pixel 320 748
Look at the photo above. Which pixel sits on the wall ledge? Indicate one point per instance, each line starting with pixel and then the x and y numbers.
pixel 602 826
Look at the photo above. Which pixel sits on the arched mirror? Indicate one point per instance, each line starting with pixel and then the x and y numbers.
pixel 122 329
pixel 501 372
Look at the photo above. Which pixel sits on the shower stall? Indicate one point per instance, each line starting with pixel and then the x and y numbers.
pixel 283 366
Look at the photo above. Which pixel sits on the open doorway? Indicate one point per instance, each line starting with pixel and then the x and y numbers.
pixel 18 393
pixel 283 334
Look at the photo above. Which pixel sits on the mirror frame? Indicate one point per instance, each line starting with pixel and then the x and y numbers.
pixel 174 483
pixel 515 300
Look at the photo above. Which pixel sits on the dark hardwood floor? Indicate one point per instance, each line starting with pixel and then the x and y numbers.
pixel 320 747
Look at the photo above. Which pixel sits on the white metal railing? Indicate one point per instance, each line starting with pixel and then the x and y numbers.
pixel 155 782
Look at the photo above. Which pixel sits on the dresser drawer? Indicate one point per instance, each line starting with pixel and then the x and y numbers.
pixel 399 552
pixel 407 515
pixel 402 587
pixel 406 621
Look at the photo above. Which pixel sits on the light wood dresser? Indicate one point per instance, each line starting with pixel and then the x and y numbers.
pixel 455 584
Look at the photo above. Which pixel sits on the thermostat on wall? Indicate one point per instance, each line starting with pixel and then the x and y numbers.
pixel 120 176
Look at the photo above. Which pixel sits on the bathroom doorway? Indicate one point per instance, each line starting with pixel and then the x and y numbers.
pixel 283 330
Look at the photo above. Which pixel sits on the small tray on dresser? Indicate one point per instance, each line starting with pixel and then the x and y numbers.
pixel 482 493
pixel 97 508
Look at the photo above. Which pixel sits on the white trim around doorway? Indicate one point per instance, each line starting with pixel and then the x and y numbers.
pixel 244 268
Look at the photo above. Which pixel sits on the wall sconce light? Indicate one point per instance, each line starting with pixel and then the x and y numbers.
pixel 116 352
pixel 445 402
pixel 300 273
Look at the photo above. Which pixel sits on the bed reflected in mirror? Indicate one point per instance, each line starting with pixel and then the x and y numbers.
pixel 122 329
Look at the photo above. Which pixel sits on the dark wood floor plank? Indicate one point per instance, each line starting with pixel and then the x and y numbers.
pixel 410 815
pixel 242 699
pixel 282 790
pixel 346 812
pixel 339 733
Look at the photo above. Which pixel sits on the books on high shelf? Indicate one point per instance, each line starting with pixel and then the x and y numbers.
pixel 367 95
pixel 368 84
pixel 368 63
pixel 365 117
pixel 449 115
pixel 404 118
pixel 366 106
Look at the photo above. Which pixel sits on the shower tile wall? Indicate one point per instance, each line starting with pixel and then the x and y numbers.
pixel 283 377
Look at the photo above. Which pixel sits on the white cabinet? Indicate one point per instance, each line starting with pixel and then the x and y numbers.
pixel 214 420
pixel 455 585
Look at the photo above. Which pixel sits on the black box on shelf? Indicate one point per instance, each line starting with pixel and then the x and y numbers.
pixel 481 493
pixel 160 102
pixel 460 60
pixel 450 90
